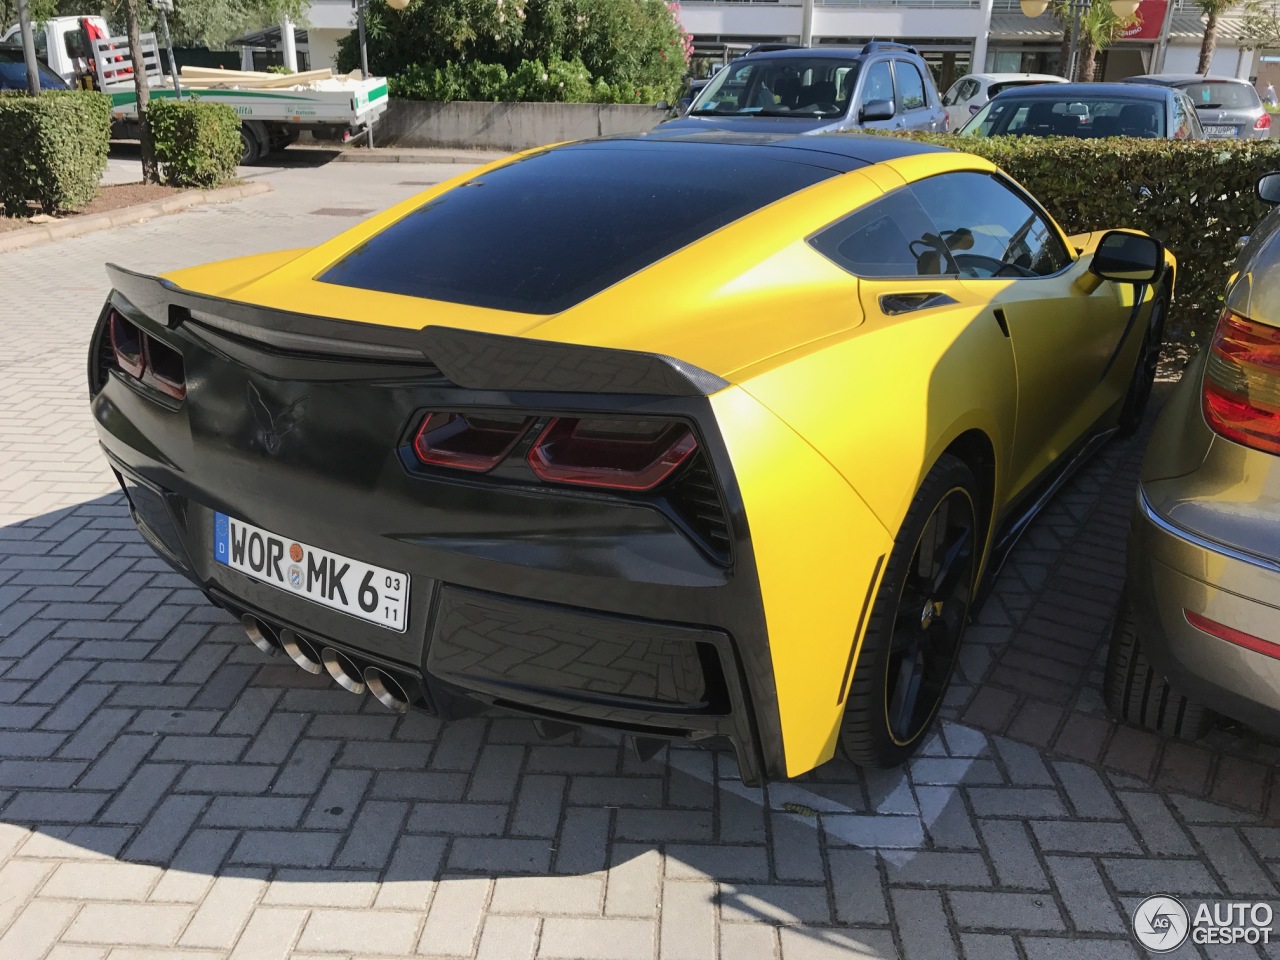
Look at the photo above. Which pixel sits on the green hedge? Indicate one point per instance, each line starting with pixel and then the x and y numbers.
pixel 197 144
pixel 557 81
pixel 53 148
pixel 1196 197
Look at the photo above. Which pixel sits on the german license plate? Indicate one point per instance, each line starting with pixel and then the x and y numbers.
pixel 371 593
pixel 1220 131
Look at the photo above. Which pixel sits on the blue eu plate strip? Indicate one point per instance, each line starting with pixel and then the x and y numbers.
pixel 221 537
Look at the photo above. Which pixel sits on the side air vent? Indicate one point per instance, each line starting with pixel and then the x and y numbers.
pixel 694 497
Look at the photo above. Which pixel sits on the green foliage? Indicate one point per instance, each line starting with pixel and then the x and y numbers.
pixel 615 51
pixel 197 144
pixel 53 149
pixel 1260 25
pixel 1195 196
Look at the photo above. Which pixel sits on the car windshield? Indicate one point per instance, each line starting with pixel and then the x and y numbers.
pixel 1219 94
pixel 781 87
pixel 1072 116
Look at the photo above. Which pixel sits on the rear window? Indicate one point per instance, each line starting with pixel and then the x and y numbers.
pixel 1223 96
pixel 545 233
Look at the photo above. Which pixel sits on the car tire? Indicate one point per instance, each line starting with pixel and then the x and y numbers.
pixel 1138 396
pixel 1135 693
pixel 917 621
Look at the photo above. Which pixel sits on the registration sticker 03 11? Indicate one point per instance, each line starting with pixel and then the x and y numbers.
pixel 360 589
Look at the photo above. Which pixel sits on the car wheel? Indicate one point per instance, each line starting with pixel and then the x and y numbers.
pixel 917 621
pixel 1144 372
pixel 1136 693
pixel 250 148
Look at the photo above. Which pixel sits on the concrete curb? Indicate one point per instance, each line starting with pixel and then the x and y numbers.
pixel 396 155
pixel 92 223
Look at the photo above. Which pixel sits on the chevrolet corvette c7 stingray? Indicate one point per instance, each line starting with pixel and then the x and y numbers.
pixel 690 436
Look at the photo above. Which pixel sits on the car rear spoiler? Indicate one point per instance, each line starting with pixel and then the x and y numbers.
pixel 469 359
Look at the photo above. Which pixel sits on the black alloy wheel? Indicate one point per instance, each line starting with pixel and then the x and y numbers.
pixel 917 622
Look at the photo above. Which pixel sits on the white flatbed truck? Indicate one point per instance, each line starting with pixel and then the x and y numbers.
pixel 273 108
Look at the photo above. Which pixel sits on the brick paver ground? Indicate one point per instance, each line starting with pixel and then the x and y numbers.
pixel 166 791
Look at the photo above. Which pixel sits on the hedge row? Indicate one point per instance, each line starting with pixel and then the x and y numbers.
pixel 197 144
pixel 53 148
pixel 557 81
pixel 1196 197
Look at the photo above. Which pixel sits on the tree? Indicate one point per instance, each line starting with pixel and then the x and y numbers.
pixel 462 49
pixel 1212 10
pixel 1260 27
pixel 150 169
pixel 1099 28
pixel 211 23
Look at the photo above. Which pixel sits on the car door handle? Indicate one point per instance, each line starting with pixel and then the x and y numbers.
pixel 896 304
pixel 1002 320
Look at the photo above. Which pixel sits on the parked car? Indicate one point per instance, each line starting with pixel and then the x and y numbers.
pixel 1228 108
pixel 1199 629
pixel 817 90
pixel 971 92
pixel 1088 110
pixel 538 439
pixel 13 71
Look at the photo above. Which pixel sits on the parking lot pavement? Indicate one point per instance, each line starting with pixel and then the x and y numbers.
pixel 166 791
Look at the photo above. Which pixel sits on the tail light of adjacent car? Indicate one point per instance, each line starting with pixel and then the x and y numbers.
pixel 145 358
pixel 1241 394
pixel 476 442
pixel 1263 122
pixel 1232 635
pixel 633 455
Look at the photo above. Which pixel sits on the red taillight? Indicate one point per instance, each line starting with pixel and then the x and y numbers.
pixel 126 343
pixel 1242 383
pixel 1232 635
pixel 145 358
pixel 164 369
pixel 615 454
pixel 468 441
pixel 1263 122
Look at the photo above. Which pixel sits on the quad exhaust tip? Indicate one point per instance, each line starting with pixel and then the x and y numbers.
pixel 301 651
pixel 389 691
pixel 343 669
pixel 263 637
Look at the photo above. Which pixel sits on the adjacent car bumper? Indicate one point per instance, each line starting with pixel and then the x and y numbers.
pixel 1173 572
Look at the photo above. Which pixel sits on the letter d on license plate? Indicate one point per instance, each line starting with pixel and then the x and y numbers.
pixel 371 593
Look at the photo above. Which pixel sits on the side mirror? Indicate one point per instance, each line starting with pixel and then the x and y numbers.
pixel 1128 258
pixel 1269 189
pixel 876 110
pixel 662 105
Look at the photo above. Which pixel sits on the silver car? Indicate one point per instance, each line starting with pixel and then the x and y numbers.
pixel 816 90
pixel 1229 109
pixel 1199 630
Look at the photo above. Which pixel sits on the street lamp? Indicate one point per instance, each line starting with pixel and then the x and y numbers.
pixel 1124 9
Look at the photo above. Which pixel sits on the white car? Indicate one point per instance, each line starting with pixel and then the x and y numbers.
pixel 971 92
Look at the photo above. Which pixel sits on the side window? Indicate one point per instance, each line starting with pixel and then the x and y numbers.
pixel 41 45
pixel 879 83
pixel 971 90
pixel 73 43
pixel 952 96
pixel 910 86
pixel 1184 115
pixel 891 237
pixel 989 227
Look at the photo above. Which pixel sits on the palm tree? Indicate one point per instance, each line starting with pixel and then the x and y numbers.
pixel 1211 9
pixel 1099 28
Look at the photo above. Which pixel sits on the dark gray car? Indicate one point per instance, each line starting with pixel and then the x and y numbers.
pixel 1199 630
pixel 819 89
pixel 1228 108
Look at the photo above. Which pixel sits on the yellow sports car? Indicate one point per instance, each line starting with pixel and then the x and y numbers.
pixel 691 436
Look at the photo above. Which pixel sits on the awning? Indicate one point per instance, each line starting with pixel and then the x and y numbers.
pixel 270 38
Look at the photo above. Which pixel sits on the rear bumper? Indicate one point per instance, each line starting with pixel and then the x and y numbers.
pixel 619 611
pixel 1172 571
